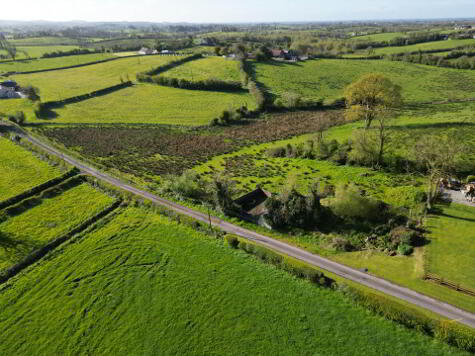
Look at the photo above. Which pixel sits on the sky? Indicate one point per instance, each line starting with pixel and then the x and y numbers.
pixel 221 11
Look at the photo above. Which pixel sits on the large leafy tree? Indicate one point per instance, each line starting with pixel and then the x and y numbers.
pixel 373 96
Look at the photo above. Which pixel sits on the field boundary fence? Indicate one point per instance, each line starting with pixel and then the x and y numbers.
pixel 446 283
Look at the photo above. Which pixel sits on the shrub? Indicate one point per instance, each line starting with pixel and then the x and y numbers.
pixel 405 249
pixel 232 241
pixel 470 179
pixel 349 202
pixel 17 118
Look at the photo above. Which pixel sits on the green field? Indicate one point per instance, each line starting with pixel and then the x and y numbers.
pixel 50 63
pixel 169 290
pixel 427 46
pixel 206 68
pixel 42 41
pixel 21 170
pixel 379 37
pixel 38 51
pixel 452 237
pixel 146 103
pixel 251 167
pixel 326 78
pixel 67 83
pixel 55 215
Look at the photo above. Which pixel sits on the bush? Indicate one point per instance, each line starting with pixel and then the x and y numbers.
pixel 294 209
pixel 470 179
pixel 232 241
pixel 17 118
pixel 188 185
pixel 349 202
pixel 405 249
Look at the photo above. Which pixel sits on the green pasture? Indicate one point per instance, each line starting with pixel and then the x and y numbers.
pixel 38 51
pixel 451 251
pixel 54 216
pixel 143 285
pixel 251 167
pixel 146 103
pixel 67 83
pixel 45 41
pixel 51 63
pixel 379 37
pixel 206 68
pixel 426 46
pixel 327 78
pixel 20 170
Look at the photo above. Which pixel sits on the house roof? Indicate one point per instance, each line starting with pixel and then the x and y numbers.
pixel 9 84
pixel 252 200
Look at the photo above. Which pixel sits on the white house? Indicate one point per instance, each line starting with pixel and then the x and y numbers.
pixel 8 93
pixel 144 51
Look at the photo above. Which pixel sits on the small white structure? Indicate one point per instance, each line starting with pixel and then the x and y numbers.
pixel 166 51
pixel 144 51
pixel 8 93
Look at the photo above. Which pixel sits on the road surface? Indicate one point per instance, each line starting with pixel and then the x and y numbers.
pixel 376 283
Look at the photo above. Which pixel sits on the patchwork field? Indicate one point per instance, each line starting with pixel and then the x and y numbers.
pixel 67 83
pixel 206 68
pixel 170 290
pixel 327 78
pixel 157 151
pixel 450 254
pixel 146 103
pixel 50 63
pixel 21 170
pixel 56 213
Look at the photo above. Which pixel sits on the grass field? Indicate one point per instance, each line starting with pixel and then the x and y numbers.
pixel 38 51
pixel 21 170
pixel 142 285
pixel 379 37
pixel 145 103
pixel 251 167
pixel 427 46
pixel 42 41
pixel 206 68
pixel 451 253
pixel 327 78
pixel 71 82
pixel 56 215
pixel 50 63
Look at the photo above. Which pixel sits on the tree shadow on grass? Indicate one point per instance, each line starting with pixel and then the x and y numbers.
pixel 14 247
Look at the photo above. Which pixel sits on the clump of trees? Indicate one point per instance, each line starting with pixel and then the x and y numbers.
pixel 439 157
pixel 293 209
pixel 373 98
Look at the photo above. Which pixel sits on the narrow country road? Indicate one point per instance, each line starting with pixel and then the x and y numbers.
pixel 376 283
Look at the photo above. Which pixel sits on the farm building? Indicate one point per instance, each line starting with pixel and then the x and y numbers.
pixel 283 54
pixel 9 90
pixel 253 203
pixel 145 51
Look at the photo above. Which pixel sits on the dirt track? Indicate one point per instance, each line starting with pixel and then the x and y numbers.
pixel 377 283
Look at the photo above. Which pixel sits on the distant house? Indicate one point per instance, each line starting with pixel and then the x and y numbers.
pixel 145 51
pixel 286 55
pixel 462 27
pixel 278 53
pixel 8 93
pixel 166 51
pixel 11 84
pixel 10 90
